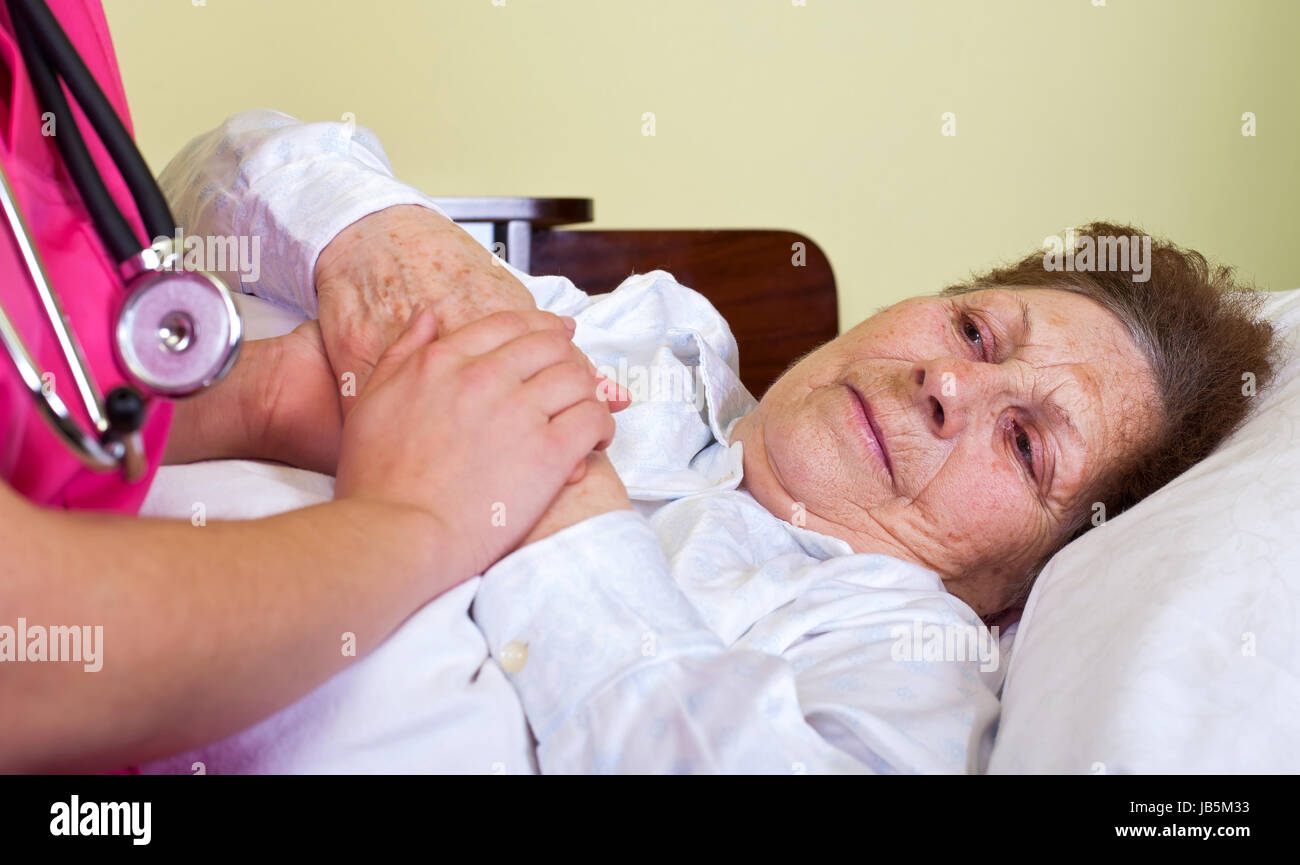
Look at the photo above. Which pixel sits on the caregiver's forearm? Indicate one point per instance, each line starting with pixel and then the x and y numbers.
pixel 278 403
pixel 216 424
pixel 206 629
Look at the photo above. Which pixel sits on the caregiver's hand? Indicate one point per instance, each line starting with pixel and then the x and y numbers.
pixel 477 430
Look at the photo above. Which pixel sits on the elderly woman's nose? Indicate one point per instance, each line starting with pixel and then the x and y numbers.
pixel 945 390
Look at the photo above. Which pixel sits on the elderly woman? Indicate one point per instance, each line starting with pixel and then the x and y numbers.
pixel 795 585
pixel 977 432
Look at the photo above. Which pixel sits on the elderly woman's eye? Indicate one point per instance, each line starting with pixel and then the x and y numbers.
pixel 971 331
pixel 1025 447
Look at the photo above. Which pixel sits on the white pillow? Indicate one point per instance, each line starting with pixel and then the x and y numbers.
pixel 1168 639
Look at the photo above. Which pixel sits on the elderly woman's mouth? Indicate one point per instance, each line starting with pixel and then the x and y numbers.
pixel 866 424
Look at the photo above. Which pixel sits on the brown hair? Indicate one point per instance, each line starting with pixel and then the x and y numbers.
pixel 1200 332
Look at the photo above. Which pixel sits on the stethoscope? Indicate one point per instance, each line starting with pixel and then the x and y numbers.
pixel 177 331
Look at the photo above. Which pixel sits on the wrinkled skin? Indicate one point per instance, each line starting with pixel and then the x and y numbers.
pixel 960 393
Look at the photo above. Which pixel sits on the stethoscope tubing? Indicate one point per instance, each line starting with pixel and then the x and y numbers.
pixel 159 293
pixel 49 56
pixel 102 456
pixel 68 344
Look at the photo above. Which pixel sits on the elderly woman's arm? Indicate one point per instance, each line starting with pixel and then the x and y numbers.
pixel 388 264
pixel 333 233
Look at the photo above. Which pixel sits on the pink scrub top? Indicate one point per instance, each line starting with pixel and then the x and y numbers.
pixel 33 460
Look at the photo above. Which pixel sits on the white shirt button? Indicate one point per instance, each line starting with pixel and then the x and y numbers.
pixel 514 655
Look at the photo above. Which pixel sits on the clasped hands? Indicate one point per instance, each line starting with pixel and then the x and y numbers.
pixel 430 380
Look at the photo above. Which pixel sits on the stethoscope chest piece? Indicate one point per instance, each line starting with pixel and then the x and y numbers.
pixel 178 331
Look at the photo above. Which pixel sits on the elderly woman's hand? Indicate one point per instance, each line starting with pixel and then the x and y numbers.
pixel 383 267
pixel 380 269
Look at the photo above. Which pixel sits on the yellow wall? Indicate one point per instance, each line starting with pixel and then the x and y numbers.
pixel 824 118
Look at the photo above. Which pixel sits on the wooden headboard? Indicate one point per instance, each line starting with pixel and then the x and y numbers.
pixel 775 288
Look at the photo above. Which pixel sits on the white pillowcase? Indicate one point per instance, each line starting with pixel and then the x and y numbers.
pixel 1168 639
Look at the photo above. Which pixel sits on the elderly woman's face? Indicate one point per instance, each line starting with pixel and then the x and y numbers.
pixel 961 433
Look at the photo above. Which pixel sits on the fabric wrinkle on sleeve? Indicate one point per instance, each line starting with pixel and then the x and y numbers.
pixel 291 185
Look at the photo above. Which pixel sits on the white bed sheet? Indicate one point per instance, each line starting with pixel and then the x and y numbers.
pixel 475 727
